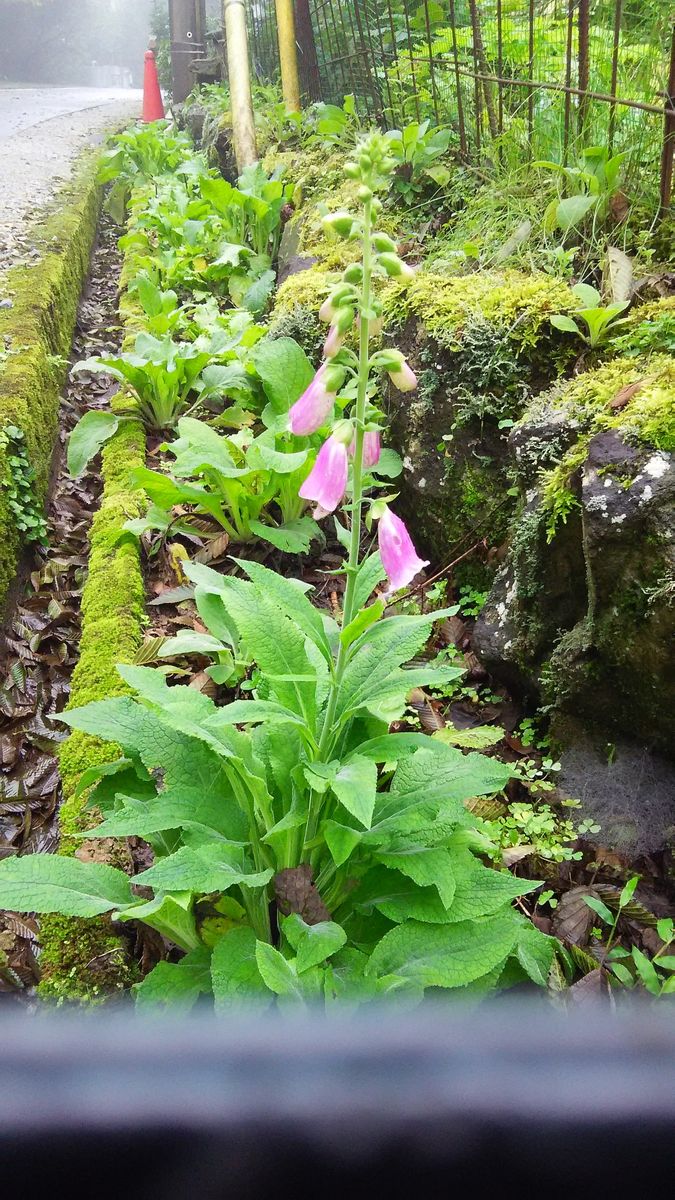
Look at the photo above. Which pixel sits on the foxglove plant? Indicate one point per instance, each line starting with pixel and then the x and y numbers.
pixel 339 857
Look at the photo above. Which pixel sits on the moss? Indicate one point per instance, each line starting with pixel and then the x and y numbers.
pixel 86 959
pixel 518 304
pixel 37 334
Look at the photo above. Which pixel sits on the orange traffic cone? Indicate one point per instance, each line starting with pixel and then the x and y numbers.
pixel 153 105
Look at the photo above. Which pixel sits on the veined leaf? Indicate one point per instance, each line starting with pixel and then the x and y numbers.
pixel 235 976
pixel 215 867
pixel 176 985
pixel 284 369
pixel 445 956
pixel 313 944
pixel 51 883
pixel 428 867
pixel 91 432
pixel 355 786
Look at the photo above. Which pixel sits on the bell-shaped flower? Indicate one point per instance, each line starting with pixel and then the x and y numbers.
pixel 399 557
pixel 313 408
pixel 404 378
pixel 326 483
pixel 334 342
pixel 371 448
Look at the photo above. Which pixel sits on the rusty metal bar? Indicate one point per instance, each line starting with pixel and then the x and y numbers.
pixel 668 135
pixel 463 144
pixel 434 92
pixel 412 61
pixel 657 109
pixel 500 66
pixel 618 15
pixel 530 96
pixel 584 61
pixel 568 78
pixel 384 66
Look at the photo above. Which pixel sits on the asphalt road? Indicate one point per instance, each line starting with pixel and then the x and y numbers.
pixel 42 132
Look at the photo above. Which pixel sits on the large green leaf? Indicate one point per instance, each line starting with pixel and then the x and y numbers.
pixel 313 944
pixel 293 537
pixel 291 599
pixel 234 971
pixel 445 956
pixel 51 883
pixel 214 867
pixel 433 782
pixel 426 866
pixel 355 786
pixel 179 985
pixel 91 432
pixel 284 369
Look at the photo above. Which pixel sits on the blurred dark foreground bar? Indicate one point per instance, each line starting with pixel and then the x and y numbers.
pixel 503 1101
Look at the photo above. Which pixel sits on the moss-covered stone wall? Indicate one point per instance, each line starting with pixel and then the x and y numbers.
pixel 35 339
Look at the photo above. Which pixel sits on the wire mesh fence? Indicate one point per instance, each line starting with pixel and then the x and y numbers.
pixel 524 79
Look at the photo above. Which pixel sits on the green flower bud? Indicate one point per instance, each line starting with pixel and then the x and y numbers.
pixel 333 377
pixel 353 274
pixel 344 319
pixel 340 222
pixel 343 432
pixel 383 243
pixel 351 170
pixel 364 193
pixel 391 264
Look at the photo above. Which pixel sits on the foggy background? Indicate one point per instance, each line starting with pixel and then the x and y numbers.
pixel 97 43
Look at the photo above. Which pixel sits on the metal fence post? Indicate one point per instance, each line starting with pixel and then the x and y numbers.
pixel 288 58
pixel 668 135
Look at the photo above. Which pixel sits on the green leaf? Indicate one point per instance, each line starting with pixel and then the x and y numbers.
pixel 313 944
pixel 428 781
pixel 428 867
pixel 52 883
pixel 535 952
pixel 176 985
pixel 445 956
pixel 235 975
pixel 284 369
pixel 171 916
pixel 647 972
pixel 341 841
pixel 370 573
pixel 362 621
pixel 355 786
pixel 565 324
pixel 601 909
pixel 91 432
pixel 571 212
pixel 188 641
pixel 277 972
pixel 293 537
pixel 479 737
pixel 246 712
pixel 214 867
pixel 290 598
pixel 628 891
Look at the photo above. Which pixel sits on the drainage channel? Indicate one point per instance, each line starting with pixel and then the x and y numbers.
pixel 40 638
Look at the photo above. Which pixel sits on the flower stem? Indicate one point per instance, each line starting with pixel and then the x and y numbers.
pixel 325 743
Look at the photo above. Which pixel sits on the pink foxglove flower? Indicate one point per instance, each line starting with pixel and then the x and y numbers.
pixel 399 557
pixel 333 342
pixel 311 411
pixel 404 378
pixel 326 483
pixel 371 448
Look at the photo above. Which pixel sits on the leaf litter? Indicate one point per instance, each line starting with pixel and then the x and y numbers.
pixel 39 646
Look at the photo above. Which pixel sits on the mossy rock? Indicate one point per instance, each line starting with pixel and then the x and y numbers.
pixel 584 608
pixel 480 345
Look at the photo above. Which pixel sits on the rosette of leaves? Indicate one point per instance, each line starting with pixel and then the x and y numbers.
pixel 335 875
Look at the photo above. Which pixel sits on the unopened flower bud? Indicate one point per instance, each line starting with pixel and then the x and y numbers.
pixel 354 273
pixel 364 193
pixel 334 302
pixel 383 243
pixel 344 319
pixel 404 378
pixel 340 222
pixel 333 343
pixel 343 432
pixel 351 170
pixel 391 263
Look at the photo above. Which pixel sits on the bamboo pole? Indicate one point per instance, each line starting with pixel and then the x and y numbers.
pixel 243 127
pixel 288 54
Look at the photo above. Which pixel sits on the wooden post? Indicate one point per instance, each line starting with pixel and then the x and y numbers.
pixel 238 69
pixel 187 31
pixel 288 54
